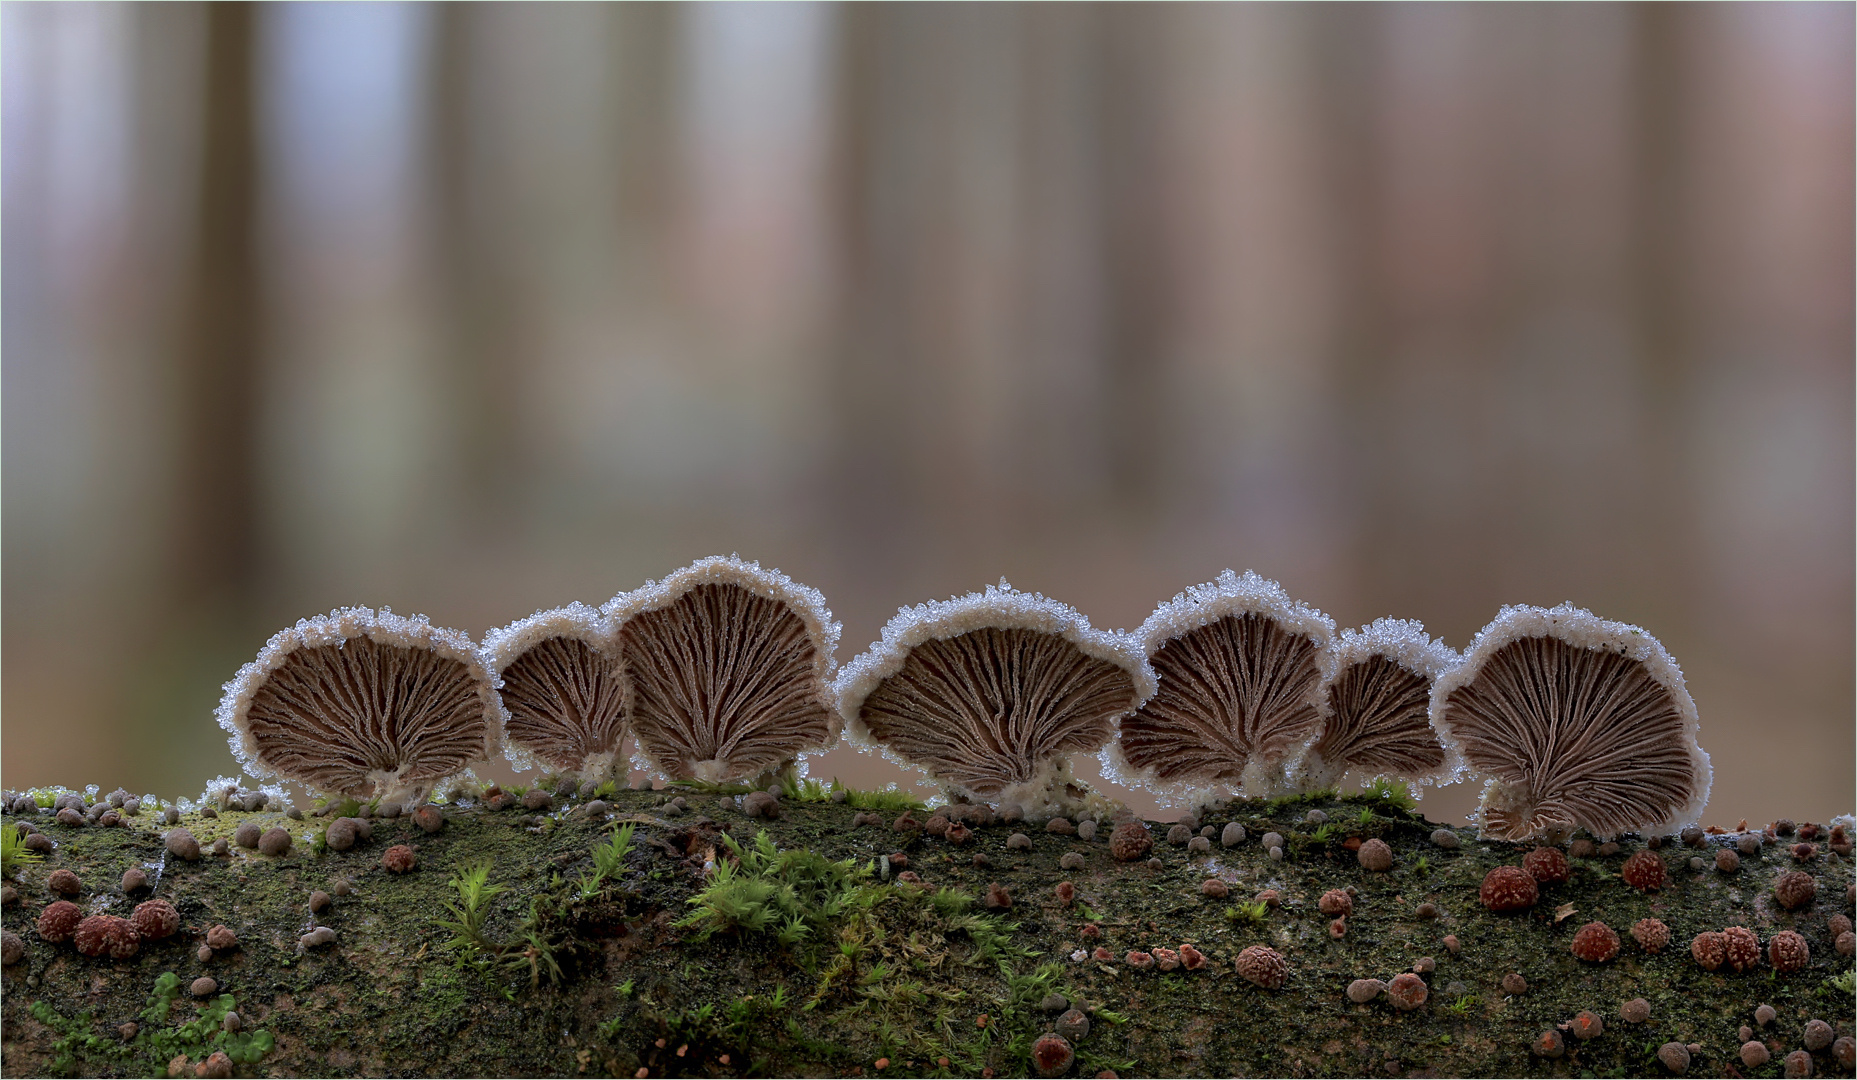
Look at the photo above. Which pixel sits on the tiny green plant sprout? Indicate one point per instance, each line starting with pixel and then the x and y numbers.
pixel 14 855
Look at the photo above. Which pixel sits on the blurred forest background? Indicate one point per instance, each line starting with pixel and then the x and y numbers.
pixel 476 309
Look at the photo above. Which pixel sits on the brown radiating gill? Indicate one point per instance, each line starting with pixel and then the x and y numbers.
pixel 565 690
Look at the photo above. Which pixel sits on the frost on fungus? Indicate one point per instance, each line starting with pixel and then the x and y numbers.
pixel 564 689
pixel 1577 722
pixel 1378 706
pixel 990 691
pixel 364 704
pixel 1240 668
pixel 729 669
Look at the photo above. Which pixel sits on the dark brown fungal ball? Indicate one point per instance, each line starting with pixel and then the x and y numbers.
pixel 1587 1025
pixel 399 859
pixel 1548 1044
pixel 1844 1051
pixel 217 1066
pixel 1018 842
pixel 1263 966
pixel 1845 943
pixel 155 919
pixel 204 986
pixel 1644 871
pixel 9 896
pixel 208 812
pixel 246 835
pixel 1214 889
pixel 341 834
pixel 12 948
pixel 536 800
pixel 1837 924
pixel 64 883
pixel 1335 902
pixel 274 841
pixel 1710 949
pixel 1805 852
pixel 432 819
pixel 1508 888
pixel 1052 1055
pixel 997 898
pixel 70 817
pixel 1450 942
pixel 1818 1035
pixel 1445 838
pixel 1179 835
pixel 181 843
pixel 1741 948
pixel 221 848
pixel 221 937
pixel 1065 892
pixel 1748 844
pixel 59 920
pixel 1754 1054
pixel 318 901
pixel 1547 865
pixel 1362 991
pixel 1191 959
pixel 1765 1014
pixel 1788 952
pixel 1651 935
pixel 1199 845
pixel 906 823
pixel 1727 861
pixel 1063 827
pixel 1783 827
pixel 934 826
pixel 39 842
pixel 1375 855
pixel 107 934
pixel 341 887
pixel 958 833
pixel 760 804
pixel 1426 910
pixel 1595 943
pixel 1071 860
pixel 1270 898
pixel 1798 1064
pixel 1424 965
pixel 1130 841
pixel 1674 1056
pixel 1407 992
pixel 1609 849
pixel 1338 929
pixel 1073 1024
pixel 134 880
pixel 1513 983
pixel 1635 1011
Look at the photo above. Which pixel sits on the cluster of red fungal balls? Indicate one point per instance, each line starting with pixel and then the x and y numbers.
pixel 99 935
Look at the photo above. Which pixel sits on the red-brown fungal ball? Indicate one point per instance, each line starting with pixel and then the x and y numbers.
pixel 1407 991
pixel 1794 889
pixel 1650 934
pixel 1805 852
pixel 1837 924
pixel 1375 856
pixel 134 880
pixel 1191 959
pixel 217 1066
pixel 1644 871
pixel 1798 1064
pixel 1674 1055
pixel 1451 943
pixel 64 883
pixel 1818 1035
pixel 1727 861
pixel 1548 1044
pixel 204 986
pixel 1844 1051
pixel 1138 960
pixel 1264 966
pixel 1362 991
pixel 430 818
pixel 1338 929
pixel 1130 841
pixel 60 920
pixel 1547 865
pixel 957 833
pixel 155 919
pixel 1710 949
pixel 12 948
pixel 1164 958
pixel 1742 948
pixel 1066 892
pixel 1052 1055
pixel 1508 888
pixel 221 937
pixel 1635 1011
pixel 1845 944
pixel 1270 898
pixel 274 841
pixel 1754 1054
pixel 1587 1025
pixel 399 859
pixel 997 898
pixel 1090 932
pixel 1595 943
pixel 101 934
pixel 1788 952
pixel 1336 902
pixel 1513 983
pixel 1214 889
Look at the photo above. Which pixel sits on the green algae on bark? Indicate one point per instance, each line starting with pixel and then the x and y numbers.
pixel 868 968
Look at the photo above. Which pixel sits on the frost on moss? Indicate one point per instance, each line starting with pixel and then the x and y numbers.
pixel 729 669
pixel 1377 703
pixel 1576 721
pixel 363 703
pixel 564 689
pixel 989 692
pixel 1240 668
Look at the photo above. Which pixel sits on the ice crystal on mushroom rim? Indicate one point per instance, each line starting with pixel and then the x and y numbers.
pixel 1578 722
pixel 1377 707
pixel 989 692
pixel 363 703
pixel 729 670
pixel 564 689
pixel 1240 668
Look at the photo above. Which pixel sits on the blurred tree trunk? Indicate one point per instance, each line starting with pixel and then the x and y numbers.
pixel 216 554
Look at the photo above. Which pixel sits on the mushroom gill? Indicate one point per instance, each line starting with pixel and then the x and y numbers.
pixel 1378 706
pixel 728 668
pixel 1577 722
pixel 1240 668
pixel 360 703
pixel 564 689
pixel 988 693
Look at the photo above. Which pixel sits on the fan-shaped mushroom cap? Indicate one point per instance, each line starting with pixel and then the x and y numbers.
pixel 988 692
pixel 1377 706
pixel 729 669
pixel 564 689
pixel 1578 722
pixel 363 703
pixel 1241 668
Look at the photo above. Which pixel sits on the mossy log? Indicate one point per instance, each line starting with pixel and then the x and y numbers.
pixel 580 976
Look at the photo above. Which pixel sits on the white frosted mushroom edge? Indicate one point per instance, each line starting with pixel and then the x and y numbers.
pixel 1581 628
pixel 1405 642
pixel 1000 607
pixel 1200 605
pixel 347 624
pixel 503 646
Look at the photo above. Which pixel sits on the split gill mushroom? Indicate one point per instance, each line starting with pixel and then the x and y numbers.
pixel 564 689
pixel 1377 707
